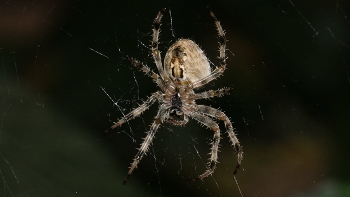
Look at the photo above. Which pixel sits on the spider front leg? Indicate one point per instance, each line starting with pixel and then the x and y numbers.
pixel 215 144
pixel 144 147
pixel 136 112
pixel 215 113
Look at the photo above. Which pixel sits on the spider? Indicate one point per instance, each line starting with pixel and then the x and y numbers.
pixel 186 68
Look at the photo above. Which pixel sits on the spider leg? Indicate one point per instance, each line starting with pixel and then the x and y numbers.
pixel 149 72
pixel 155 41
pixel 212 93
pixel 215 113
pixel 144 147
pixel 222 50
pixel 205 120
pixel 136 112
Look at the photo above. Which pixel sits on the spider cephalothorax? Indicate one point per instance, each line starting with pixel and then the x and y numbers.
pixel 186 68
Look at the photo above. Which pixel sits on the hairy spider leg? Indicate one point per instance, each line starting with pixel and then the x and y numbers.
pixel 158 80
pixel 211 124
pixel 222 50
pixel 155 41
pixel 136 112
pixel 212 93
pixel 215 113
pixel 145 144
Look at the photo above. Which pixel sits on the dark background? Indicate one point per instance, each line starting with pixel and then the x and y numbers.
pixel 287 66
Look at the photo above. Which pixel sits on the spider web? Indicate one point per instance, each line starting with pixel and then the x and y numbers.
pixel 64 79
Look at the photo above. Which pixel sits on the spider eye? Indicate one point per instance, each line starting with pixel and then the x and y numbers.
pixel 175 111
pixel 176 114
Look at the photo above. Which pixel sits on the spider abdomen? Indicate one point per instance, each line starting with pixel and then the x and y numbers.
pixel 185 60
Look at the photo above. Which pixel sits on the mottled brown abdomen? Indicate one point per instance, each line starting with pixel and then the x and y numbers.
pixel 185 60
